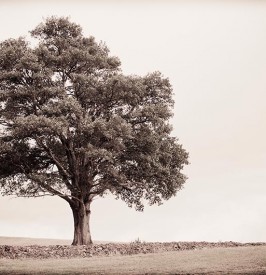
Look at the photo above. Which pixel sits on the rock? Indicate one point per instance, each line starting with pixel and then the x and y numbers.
pixel 65 251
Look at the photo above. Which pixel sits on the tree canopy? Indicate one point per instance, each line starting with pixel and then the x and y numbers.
pixel 73 125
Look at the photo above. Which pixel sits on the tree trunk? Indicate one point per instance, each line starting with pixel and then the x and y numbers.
pixel 81 215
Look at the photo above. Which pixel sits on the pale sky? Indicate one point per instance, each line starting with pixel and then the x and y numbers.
pixel 214 53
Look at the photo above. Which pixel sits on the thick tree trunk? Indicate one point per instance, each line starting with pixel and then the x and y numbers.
pixel 81 215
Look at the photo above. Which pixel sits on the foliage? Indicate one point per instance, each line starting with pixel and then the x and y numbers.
pixel 137 241
pixel 76 127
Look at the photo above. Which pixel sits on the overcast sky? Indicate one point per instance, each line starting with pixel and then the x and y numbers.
pixel 214 53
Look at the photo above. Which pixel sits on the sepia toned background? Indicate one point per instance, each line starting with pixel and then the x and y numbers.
pixel 214 53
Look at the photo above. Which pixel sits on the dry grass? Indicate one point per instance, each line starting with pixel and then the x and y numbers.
pixel 20 241
pixel 237 260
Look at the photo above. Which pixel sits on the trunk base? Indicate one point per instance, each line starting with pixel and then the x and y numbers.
pixel 82 235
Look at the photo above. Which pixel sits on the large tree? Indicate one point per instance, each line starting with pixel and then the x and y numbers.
pixel 74 126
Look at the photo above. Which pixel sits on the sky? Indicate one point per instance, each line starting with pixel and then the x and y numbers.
pixel 213 53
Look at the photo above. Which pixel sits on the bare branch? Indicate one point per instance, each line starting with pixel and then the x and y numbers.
pixel 49 188
pixel 34 196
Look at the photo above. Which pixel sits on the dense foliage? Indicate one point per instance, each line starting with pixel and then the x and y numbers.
pixel 74 126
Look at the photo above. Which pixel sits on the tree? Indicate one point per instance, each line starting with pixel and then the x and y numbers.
pixel 74 126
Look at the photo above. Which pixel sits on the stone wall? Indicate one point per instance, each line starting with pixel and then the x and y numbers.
pixel 110 249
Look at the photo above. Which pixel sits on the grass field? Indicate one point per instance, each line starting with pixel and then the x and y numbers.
pixel 21 241
pixel 31 241
pixel 237 260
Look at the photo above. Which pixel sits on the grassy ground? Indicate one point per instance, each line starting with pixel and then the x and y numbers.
pixel 237 260
pixel 20 241
pixel 32 241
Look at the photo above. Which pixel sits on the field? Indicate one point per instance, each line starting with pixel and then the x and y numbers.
pixel 34 241
pixel 31 241
pixel 234 260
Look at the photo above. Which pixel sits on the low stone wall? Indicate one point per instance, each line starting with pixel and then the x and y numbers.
pixel 110 249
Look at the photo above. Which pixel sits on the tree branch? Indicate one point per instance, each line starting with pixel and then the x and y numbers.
pixel 65 175
pixel 34 196
pixel 51 189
